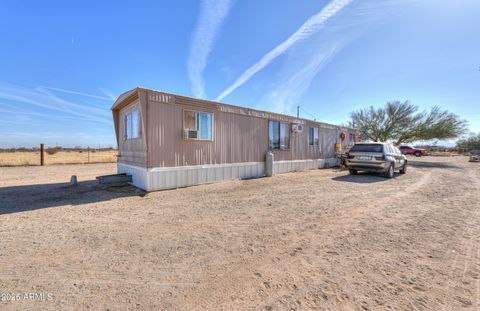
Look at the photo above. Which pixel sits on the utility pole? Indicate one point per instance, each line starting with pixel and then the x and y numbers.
pixel 298 112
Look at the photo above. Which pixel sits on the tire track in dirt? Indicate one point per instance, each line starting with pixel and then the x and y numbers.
pixel 478 278
pixel 239 280
pixel 425 180
pixel 310 240
pixel 471 251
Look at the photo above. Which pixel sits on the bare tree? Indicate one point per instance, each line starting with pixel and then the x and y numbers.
pixel 402 123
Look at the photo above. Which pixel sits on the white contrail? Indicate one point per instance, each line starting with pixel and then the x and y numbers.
pixel 76 93
pixel 309 57
pixel 41 97
pixel 312 25
pixel 288 92
pixel 109 93
pixel 212 15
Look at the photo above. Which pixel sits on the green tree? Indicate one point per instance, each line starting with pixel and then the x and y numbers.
pixel 402 123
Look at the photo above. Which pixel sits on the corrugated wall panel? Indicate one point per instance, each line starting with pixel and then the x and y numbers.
pixel 174 177
pixel 238 138
pixel 328 139
pixel 133 151
pixel 139 174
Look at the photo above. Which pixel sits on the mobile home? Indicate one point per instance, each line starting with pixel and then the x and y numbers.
pixel 169 141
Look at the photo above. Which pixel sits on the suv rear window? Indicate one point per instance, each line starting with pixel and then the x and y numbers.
pixel 378 148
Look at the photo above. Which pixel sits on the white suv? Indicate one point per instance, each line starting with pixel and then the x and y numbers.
pixel 376 157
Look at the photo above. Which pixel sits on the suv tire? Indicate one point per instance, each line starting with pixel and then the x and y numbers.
pixel 418 154
pixel 403 170
pixel 389 172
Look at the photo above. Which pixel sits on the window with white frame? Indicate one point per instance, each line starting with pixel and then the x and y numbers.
pixel 279 135
pixel 351 139
pixel 313 136
pixel 199 121
pixel 132 124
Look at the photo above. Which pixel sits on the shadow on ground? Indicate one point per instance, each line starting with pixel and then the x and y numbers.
pixel 362 178
pixel 421 164
pixel 31 197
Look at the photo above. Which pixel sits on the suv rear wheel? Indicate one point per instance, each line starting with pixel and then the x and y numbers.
pixel 403 170
pixel 417 153
pixel 389 172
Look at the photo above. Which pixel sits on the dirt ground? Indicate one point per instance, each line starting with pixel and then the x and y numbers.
pixel 314 240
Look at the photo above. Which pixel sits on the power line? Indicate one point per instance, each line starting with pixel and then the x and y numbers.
pixel 308 113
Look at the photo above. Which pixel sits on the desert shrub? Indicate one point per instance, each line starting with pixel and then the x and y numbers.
pixel 54 150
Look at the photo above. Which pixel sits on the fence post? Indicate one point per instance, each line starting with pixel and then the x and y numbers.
pixel 42 156
pixel 88 151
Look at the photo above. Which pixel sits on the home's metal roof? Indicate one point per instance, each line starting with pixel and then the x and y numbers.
pixel 134 92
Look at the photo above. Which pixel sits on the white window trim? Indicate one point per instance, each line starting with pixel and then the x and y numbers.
pixel 289 126
pixel 140 131
pixel 318 136
pixel 199 124
pixel 351 141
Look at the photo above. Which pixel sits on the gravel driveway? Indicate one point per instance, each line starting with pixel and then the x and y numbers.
pixel 314 240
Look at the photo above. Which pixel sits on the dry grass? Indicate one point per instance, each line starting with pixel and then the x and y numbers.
pixel 444 153
pixel 24 158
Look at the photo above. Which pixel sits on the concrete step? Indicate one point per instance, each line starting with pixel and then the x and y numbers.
pixel 115 179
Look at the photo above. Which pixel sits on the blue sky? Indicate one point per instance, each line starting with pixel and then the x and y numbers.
pixel 62 63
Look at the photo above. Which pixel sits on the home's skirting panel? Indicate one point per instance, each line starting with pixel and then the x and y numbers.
pixel 183 176
pixel 280 167
pixel 330 162
pixel 139 174
pixel 159 178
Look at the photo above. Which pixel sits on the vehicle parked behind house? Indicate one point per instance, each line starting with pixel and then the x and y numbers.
pixel 418 152
pixel 376 157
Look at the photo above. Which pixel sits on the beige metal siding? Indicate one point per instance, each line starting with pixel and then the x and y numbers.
pixel 236 138
pixel 240 135
pixel 328 139
pixel 131 151
pixel 299 146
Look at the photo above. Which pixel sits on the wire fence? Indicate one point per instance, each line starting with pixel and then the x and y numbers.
pixel 57 156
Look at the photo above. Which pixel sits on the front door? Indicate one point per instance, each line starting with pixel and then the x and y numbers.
pixel 399 161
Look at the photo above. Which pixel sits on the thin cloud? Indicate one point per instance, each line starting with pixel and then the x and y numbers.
pixel 311 26
pixel 212 15
pixel 109 93
pixel 309 57
pixel 77 93
pixel 70 105
pixel 21 113
pixel 42 98
pixel 288 92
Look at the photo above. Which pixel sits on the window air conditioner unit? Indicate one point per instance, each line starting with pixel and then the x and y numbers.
pixel 297 128
pixel 190 134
